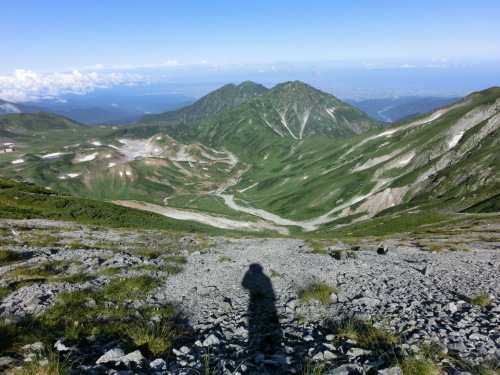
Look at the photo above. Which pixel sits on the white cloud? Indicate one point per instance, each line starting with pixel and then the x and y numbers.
pixel 168 63
pixel 27 85
pixel 8 108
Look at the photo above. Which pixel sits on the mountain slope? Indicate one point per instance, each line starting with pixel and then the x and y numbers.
pixel 22 122
pixel 223 99
pixel 292 110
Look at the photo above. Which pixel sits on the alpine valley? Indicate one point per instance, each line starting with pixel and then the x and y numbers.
pixel 290 159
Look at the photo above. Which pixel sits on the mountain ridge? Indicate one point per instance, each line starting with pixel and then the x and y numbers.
pixel 222 99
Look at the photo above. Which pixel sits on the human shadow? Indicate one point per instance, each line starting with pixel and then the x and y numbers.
pixel 264 330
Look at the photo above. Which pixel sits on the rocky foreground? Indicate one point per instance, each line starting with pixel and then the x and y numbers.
pixel 239 300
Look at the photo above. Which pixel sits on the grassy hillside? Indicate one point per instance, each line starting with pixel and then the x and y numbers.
pixel 20 200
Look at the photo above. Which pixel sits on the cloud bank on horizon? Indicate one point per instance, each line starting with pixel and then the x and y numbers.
pixel 344 79
pixel 27 85
pixel 134 42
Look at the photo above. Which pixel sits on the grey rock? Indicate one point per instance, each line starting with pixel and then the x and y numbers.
pixel 134 359
pixel 358 352
pixel 346 369
pixel 158 364
pixel 211 340
pixel 111 356
pixel 61 347
pixel 395 370
pixel 35 347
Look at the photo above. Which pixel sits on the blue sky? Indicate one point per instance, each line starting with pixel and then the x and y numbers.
pixel 124 41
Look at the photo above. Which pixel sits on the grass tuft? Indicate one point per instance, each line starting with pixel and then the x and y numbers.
pixel 481 300
pixel 8 256
pixel 364 333
pixel 318 291
pixel 276 274
pixel 317 247
pixel 44 364
pixel 420 366
pixel 153 339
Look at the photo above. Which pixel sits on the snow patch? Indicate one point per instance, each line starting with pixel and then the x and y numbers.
pixel 111 165
pixel 107 156
pixel 385 134
pixel 245 189
pixel 88 157
pixel 158 138
pixel 96 143
pixel 116 148
pixel 128 173
pixel 121 173
pixel 455 139
pixel 17 161
pixel 406 161
pixel 434 116
pixel 53 155
pixel 330 112
pixel 73 175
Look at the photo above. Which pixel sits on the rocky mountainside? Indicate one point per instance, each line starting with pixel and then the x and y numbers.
pixel 119 300
pixel 223 99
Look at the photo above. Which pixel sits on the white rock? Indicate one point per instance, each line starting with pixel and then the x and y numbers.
pixel 211 340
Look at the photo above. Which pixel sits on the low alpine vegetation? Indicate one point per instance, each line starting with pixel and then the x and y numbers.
pixel 481 300
pixel 364 333
pixel 318 291
pixel 8 256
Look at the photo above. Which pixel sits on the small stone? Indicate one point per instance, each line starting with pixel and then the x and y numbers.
pixel 395 370
pixel 346 369
pixel 358 352
pixel 451 307
pixel 158 364
pixel 135 357
pixel 112 355
pixel 35 347
pixel 329 355
pixel 6 361
pixel 211 340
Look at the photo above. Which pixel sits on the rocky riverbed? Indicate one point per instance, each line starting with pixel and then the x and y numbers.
pixel 238 299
